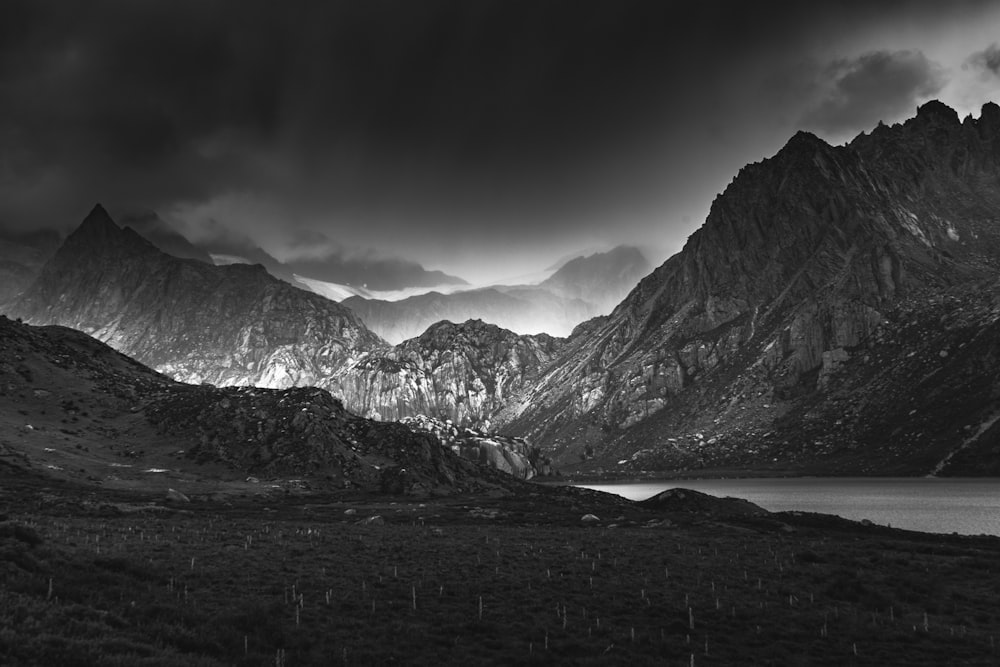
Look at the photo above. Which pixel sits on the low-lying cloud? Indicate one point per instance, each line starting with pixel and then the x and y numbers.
pixel 986 61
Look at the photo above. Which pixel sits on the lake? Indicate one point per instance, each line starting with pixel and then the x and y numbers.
pixel 965 506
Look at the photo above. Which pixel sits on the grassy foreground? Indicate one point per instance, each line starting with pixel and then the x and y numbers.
pixel 285 580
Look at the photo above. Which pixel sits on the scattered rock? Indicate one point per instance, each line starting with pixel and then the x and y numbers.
pixel 176 496
pixel 590 518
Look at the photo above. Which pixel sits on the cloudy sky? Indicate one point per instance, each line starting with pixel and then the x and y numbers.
pixel 485 139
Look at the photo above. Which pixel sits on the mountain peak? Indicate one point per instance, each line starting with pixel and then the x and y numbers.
pixel 990 115
pixel 99 233
pixel 804 141
pixel 99 221
pixel 939 110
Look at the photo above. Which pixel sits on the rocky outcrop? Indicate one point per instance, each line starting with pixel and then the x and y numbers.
pixel 803 262
pixel 469 373
pixel 514 456
pixel 226 325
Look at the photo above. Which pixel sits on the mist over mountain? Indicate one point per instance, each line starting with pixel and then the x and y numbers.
pixel 155 230
pixel 580 288
pixel 373 273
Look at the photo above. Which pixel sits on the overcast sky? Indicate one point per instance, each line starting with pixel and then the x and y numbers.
pixel 481 138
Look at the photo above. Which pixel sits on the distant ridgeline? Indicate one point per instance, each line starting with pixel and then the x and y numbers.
pixel 836 313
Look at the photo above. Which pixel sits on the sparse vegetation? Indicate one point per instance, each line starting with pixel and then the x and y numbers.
pixel 516 580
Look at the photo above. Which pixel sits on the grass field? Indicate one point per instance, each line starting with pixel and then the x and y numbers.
pixel 121 580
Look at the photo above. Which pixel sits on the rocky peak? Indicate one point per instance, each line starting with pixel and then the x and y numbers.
pixel 936 111
pixel 99 234
pixel 989 120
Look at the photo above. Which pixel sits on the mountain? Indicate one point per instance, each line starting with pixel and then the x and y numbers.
pixel 73 408
pixel 238 325
pixel 601 279
pixel 469 373
pixel 837 312
pixel 155 230
pixel 22 255
pixel 581 289
pixel 197 323
pixel 525 310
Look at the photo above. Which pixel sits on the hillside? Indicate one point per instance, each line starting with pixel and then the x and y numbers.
pixel 73 408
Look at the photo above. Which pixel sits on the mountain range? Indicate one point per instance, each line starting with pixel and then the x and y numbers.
pixel 76 410
pixel 580 289
pixel 836 314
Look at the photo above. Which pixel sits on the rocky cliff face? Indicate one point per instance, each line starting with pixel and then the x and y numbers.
pixel 804 261
pixel 232 325
pixel 469 373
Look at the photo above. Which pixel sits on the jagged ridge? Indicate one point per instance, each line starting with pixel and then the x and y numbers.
pixel 801 261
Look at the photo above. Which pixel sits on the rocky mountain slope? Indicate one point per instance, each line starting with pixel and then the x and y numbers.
pixel 73 408
pixel 803 324
pixel 469 373
pixel 22 255
pixel 197 323
pixel 582 288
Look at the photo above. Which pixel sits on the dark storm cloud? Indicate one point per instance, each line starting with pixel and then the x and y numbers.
pixel 448 120
pixel 987 60
pixel 876 86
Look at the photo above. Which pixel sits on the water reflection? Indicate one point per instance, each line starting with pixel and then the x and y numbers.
pixel 965 506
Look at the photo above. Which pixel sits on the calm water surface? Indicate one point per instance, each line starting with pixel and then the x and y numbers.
pixel 966 506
